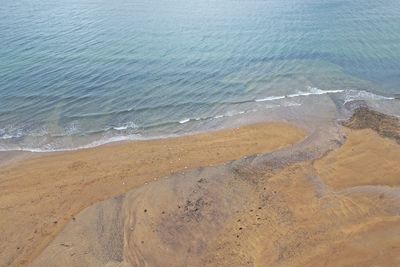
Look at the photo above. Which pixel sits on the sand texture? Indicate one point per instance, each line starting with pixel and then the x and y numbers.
pixel 294 207
pixel 40 195
pixel 328 200
pixel 384 125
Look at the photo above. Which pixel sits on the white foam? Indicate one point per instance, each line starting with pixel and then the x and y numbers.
pixel 10 133
pixel 314 91
pixel 120 128
pixel 7 136
pixel 184 121
pixel 352 95
pixel 48 148
pixel 129 125
pixel 229 114
pixel 310 91
pixel 271 98
pixel 233 113
pixel 287 101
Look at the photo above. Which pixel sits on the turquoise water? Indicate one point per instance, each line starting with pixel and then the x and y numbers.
pixel 84 72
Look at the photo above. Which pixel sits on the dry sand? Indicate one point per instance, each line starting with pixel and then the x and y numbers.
pixel 298 206
pixel 365 159
pixel 39 196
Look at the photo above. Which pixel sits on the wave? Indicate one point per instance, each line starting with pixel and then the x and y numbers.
pixel 96 143
pixel 7 136
pixel 271 98
pixel 315 91
pixel 70 130
pixel 310 91
pixel 219 116
pixel 126 126
pixel 12 133
pixel 355 95
pixel 14 136
pixel 184 121
pixel 239 112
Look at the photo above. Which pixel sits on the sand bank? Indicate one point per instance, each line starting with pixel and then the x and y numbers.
pixel 40 195
pixel 295 207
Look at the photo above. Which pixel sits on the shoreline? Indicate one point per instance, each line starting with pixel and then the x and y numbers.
pixel 320 198
pixel 43 193
pixel 190 126
pixel 16 156
pixel 182 192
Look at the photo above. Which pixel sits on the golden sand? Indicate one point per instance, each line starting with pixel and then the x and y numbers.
pixel 330 212
pixel 342 209
pixel 365 159
pixel 40 195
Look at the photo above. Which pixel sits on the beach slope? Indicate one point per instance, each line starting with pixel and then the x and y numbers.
pixel 39 196
pixel 287 208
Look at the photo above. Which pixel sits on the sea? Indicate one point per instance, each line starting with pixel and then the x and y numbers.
pixel 82 73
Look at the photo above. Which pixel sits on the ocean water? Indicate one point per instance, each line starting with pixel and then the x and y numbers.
pixel 81 73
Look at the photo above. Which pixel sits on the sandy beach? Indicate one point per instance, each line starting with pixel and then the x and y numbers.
pixel 201 201
pixel 40 195
pixel 183 133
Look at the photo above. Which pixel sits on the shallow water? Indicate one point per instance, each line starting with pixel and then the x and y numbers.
pixel 83 73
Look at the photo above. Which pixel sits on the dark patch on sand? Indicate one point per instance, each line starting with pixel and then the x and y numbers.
pixel 272 209
pixel 385 125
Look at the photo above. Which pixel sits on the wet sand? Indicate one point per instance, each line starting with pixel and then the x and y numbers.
pixel 300 200
pixel 40 195
pixel 299 206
